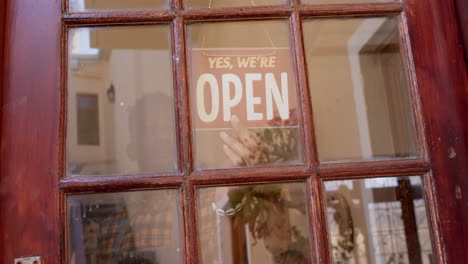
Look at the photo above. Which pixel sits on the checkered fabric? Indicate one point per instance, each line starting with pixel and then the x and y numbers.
pixel 147 227
pixel 114 236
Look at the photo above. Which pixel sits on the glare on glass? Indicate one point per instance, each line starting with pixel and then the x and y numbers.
pixel 122 228
pixel 120 101
pixel 250 224
pixel 359 89
pixel 379 220
pixel 231 3
pixel 244 108
pixel 90 5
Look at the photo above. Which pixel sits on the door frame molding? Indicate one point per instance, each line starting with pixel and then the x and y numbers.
pixel 28 29
pixel 443 87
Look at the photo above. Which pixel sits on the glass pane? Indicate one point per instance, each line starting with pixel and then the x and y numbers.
pixel 254 224
pixel 231 3
pixel 124 228
pixel 359 89
pixel 345 1
pixel 243 94
pixel 89 5
pixel 120 101
pixel 380 220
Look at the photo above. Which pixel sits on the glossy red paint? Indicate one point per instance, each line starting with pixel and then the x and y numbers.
pixel 442 81
pixel 32 124
pixel 29 200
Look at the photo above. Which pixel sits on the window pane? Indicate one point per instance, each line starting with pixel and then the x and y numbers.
pixel 344 1
pixel 89 5
pixel 359 89
pixel 120 101
pixel 243 94
pixel 254 224
pixel 131 227
pixel 231 3
pixel 381 220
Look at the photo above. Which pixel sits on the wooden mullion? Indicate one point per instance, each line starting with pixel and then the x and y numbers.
pixel 189 210
pixel 179 73
pixel 318 220
pixel 357 170
pixel 187 207
pixel 233 180
pixel 334 10
pixel 294 3
pixel 117 183
pixel 308 134
pixel 315 205
pixel 235 13
pixel 177 4
pixel 64 6
pixel 291 170
pixel 183 102
pixel 229 13
pixel 117 17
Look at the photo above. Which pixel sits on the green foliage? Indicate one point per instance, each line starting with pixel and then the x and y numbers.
pixel 257 202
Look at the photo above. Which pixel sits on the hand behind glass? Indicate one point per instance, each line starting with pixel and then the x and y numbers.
pixel 244 147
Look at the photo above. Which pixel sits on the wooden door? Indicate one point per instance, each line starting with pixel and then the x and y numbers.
pixel 46 191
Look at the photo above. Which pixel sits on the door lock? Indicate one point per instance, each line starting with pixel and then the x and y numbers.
pixel 29 260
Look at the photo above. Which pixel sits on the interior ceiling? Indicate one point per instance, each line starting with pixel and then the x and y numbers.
pixel 141 37
pixel 322 36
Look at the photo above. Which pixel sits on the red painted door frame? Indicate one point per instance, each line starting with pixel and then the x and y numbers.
pixel 29 211
pixel 443 86
pixel 30 116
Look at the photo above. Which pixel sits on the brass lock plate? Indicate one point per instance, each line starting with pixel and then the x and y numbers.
pixel 29 260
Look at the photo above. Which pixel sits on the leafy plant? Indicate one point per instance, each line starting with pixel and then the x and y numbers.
pixel 265 211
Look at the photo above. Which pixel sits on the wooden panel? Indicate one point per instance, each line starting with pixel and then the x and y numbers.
pixel 442 81
pixel 29 215
pixel 462 8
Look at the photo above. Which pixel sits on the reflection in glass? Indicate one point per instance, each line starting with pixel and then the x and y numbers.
pixel 132 227
pixel 254 224
pixel 89 5
pixel 243 94
pixel 359 89
pixel 381 220
pixel 87 119
pixel 231 3
pixel 120 101
pixel 345 1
